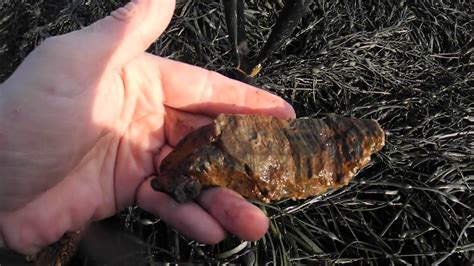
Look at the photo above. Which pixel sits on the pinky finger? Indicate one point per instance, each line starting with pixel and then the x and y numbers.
pixel 188 218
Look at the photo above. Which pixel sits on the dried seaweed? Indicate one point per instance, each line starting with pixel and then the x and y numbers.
pixel 407 64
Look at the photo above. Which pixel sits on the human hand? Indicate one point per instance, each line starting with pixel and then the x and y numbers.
pixel 88 116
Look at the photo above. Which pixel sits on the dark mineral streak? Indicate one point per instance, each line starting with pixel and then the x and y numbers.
pixel 266 158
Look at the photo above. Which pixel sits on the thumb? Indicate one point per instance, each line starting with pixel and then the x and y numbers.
pixel 124 34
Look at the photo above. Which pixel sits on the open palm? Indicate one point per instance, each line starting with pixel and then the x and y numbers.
pixel 88 116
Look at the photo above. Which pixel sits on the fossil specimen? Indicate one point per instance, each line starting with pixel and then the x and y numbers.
pixel 266 158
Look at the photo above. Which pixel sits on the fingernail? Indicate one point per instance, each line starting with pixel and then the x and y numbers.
pixel 125 12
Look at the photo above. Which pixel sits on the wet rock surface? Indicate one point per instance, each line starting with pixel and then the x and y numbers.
pixel 269 159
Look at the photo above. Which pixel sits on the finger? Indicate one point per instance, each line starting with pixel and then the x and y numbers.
pixel 188 218
pixel 127 32
pixel 139 144
pixel 234 213
pixel 165 150
pixel 202 91
pixel 178 124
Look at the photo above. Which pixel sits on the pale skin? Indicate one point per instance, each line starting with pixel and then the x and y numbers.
pixel 88 117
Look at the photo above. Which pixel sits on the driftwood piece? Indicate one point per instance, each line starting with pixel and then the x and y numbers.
pixel 266 158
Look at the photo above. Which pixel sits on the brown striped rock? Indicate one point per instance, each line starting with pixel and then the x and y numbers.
pixel 266 158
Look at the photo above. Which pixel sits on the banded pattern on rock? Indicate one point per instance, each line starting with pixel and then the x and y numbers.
pixel 266 158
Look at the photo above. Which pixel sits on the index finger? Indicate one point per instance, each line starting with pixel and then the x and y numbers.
pixel 198 90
